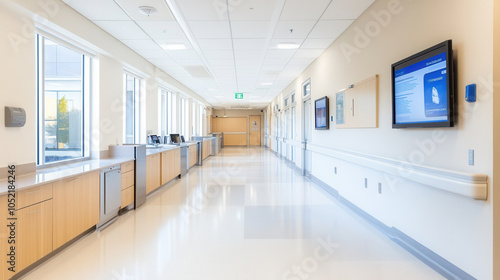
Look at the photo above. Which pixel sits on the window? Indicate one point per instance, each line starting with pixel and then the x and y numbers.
pixel 182 116
pixel 132 108
pixel 200 120
pixel 307 88
pixel 293 97
pixel 165 121
pixel 63 88
pixel 193 118
pixel 173 113
pixel 287 102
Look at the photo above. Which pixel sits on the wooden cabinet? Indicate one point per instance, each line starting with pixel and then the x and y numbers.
pixel 176 162
pixel 76 207
pixel 34 233
pixel 193 156
pixel 33 228
pixel 128 183
pixel 170 165
pixel 153 166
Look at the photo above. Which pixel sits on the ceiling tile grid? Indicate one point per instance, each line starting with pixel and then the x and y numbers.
pixel 219 47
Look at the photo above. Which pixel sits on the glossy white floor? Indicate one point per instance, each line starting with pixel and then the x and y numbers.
pixel 243 215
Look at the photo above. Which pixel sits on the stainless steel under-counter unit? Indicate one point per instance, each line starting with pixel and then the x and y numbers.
pixel 138 152
pixel 110 195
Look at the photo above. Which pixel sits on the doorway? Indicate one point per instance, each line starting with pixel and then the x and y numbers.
pixel 307 136
pixel 255 131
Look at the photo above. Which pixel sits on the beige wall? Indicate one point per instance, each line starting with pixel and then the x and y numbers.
pixel 242 113
pixel 457 228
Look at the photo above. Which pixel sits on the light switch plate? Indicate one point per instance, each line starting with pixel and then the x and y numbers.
pixel 471 157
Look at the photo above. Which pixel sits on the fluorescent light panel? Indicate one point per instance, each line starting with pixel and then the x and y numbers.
pixel 172 47
pixel 288 46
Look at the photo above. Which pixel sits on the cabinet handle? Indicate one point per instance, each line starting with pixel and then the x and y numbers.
pixel 36 211
pixel 32 192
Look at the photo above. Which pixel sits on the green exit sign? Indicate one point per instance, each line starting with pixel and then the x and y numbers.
pixel 238 95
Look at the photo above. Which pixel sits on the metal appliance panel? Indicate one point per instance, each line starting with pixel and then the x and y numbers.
pixel 140 175
pixel 112 191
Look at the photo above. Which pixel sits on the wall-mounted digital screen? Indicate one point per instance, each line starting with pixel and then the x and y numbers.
pixel 422 87
pixel 321 107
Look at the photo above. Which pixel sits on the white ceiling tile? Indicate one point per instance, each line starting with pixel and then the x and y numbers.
pixel 141 44
pixel 308 53
pixel 218 54
pixel 162 29
pixel 329 29
pixel 300 10
pixel 132 9
pixel 316 43
pixel 181 54
pixel 189 61
pixel 123 30
pixel 221 62
pixel 252 9
pixel 249 44
pixel 300 29
pixel 210 29
pixel 215 44
pixel 162 61
pixel 203 9
pixel 185 42
pixel 243 62
pixel 158 53
pixel 280 54
pixel 249 54
pixel 346 9
pixel 108 10
pixel 250 29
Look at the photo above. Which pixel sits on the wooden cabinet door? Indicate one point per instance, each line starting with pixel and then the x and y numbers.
pixel 76 207
pixel 192 155
pixel 34 233
pixel 177 162
pixel 152 172
pixel 165 173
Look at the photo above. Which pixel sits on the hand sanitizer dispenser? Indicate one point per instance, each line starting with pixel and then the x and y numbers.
pixel 14 117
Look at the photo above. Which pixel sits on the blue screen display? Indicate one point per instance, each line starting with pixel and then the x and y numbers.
pixel 421 91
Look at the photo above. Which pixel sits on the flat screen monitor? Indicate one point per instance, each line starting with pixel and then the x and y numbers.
pixel 155 139
pixel 175 138
pixel 321 109
pixel 423 89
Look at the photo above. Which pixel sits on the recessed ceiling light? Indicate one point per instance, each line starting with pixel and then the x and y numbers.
pixel 173 46
pixel 288 46
pixel 266 84
pixel 219 96
pixel 148 10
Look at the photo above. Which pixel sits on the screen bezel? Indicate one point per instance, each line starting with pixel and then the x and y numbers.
pixel 327 107
pixel 175 138
pixel 445 47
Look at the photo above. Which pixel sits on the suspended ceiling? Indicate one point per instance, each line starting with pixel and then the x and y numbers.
pixel 227 46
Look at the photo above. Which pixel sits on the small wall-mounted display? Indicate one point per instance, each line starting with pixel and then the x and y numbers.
pixel 423 89
pixel 321 110
pixel 15 117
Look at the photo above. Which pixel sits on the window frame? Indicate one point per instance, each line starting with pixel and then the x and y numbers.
pixel 86 98
pixel 138 96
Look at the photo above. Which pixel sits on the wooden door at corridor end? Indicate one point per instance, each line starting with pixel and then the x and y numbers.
pixel 254 130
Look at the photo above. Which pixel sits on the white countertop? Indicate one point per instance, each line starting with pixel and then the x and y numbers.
pixel 48 175
pixel 152 151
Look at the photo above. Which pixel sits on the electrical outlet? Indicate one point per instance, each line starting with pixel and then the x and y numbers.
pixel 471 157
pixel 335 170
pixel 366 183
pixel 380 188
